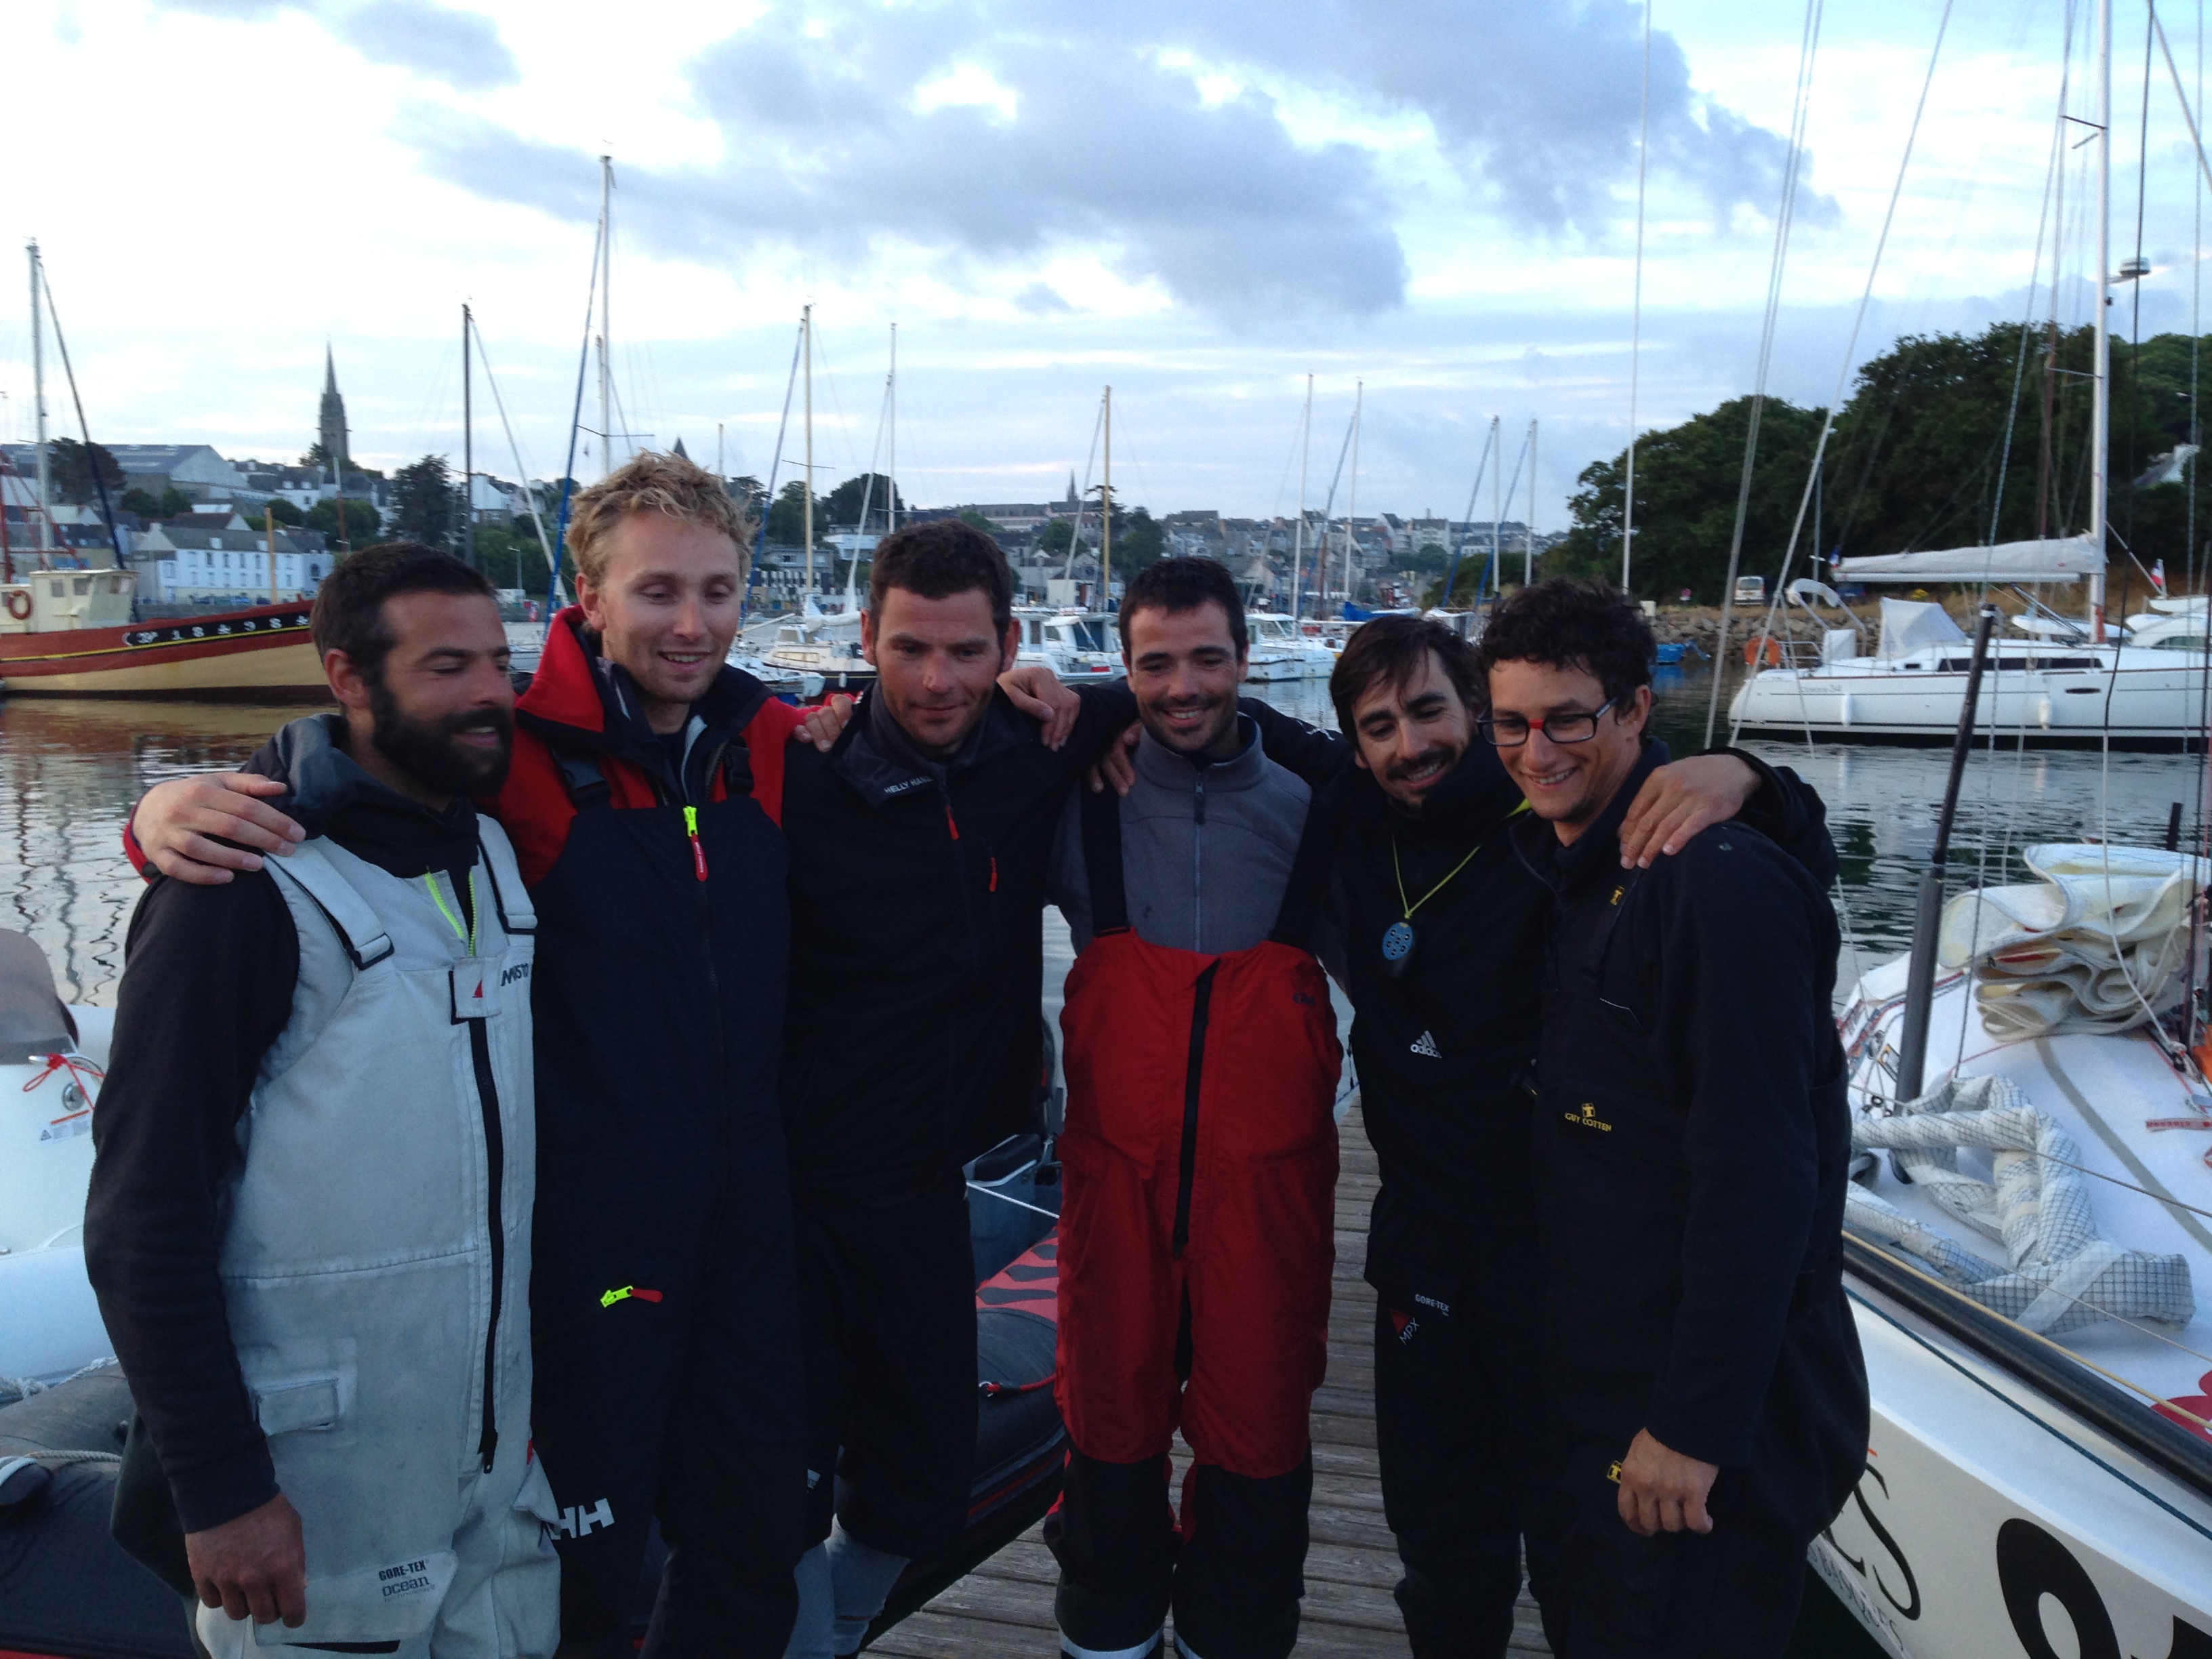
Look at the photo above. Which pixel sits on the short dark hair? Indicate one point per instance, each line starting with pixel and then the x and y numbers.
pixel 1392 650
pixel 1173 585
pixel 941 558
pixel 349 614
pixel 1569 621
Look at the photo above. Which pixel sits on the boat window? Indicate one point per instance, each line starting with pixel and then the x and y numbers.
pixel 82 584
pixel 55 588
pixel 2177 642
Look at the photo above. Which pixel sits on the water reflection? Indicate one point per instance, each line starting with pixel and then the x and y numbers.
pixel 71 770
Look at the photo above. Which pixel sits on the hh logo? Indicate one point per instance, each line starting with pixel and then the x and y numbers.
pixel 1587 1118
pixel 578 1521
pixel 519 971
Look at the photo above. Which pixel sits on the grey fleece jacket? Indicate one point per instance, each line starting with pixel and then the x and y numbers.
pixel 1207 848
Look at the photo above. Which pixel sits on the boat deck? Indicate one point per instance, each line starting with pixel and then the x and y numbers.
pixel 1004 1606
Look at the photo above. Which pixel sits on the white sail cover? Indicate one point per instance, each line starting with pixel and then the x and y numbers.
pixel 2097 944
pixel 1907 624
pixel 2058 1275
pixel 2051 559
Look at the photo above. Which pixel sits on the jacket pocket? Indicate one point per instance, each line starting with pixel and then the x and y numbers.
pixel 297 1405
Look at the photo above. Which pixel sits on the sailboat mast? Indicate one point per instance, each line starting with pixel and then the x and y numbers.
pixel 890 511
pixel 39 410
pixel 1352 506
pixel 606 299
pixel 468 454
pixel 1497 492
pixel 2100 417
pixel 1299 538
pixel 1106 516
pixel 806 494
pixel 1635 307
pixel 1529 536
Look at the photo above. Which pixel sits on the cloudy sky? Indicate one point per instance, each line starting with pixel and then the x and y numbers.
pixel 1200 205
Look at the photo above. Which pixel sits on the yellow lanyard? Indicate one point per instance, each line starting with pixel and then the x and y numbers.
pixel 1446 882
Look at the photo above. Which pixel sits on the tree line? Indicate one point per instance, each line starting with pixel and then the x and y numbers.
pixel 1946 441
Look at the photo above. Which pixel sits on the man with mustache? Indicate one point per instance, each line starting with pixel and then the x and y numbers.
pixel 309 1218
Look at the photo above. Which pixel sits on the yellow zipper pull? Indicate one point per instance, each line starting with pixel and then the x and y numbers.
pixel 698 853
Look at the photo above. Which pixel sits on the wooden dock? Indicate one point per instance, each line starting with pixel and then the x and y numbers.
pixel 1004 1608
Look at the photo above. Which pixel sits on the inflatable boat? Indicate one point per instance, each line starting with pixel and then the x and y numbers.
pixel 68 1591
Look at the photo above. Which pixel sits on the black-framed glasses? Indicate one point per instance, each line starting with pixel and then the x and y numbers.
pixel 1511 731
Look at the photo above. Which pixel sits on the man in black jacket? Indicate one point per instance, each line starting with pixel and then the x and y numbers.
pixel 1691 1145
pixel 1441 931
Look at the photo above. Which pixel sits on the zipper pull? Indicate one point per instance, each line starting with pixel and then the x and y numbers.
pixel 698 853
pixel 951 823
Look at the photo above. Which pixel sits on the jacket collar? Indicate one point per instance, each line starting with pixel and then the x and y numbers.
pixel 580 699
pixel 877 759
pixel 1594 854
pixel 332 795
pixel 1163 769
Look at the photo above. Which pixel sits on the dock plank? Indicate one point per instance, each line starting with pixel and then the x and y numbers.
pixel 1004 1608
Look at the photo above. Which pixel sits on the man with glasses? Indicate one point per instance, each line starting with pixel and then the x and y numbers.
pixel 1441 955
pixel 1691 1145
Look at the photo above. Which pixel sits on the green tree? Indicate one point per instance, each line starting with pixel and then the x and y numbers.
pixel 786 520
pixel 282 510
pixel 73 467
pixel 1686 480
pixel 356 526
pixel 1139 541
pixel 510 556
pixel 968 515
pixel 426 506
pixel 842 504
pixel 147 505
pixel 1059 534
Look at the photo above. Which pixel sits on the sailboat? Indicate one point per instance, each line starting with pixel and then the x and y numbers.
pixel 2029 1229
pixel 75 631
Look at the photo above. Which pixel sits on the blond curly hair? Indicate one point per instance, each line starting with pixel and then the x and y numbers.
pixel 653 482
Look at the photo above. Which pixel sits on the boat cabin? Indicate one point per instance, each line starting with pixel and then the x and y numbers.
pixel 48 601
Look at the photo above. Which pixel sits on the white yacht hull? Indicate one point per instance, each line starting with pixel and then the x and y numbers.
pixel 1981 1497
pixel 50 1322
pixel 2158 703
pixel 1995 1517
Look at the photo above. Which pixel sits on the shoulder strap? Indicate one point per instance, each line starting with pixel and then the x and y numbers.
pixel 584 778
pixel 1102 860
pixel 365 939
pixel 517 915
pixel 1309 881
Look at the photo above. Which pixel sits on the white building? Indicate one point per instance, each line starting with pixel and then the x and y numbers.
pixel 233 566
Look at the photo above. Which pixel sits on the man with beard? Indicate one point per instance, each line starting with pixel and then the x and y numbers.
pixel 1198 1235
pixel 309 1218
pixel 644 806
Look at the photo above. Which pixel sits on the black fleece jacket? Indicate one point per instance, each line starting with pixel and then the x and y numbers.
pixel 206 987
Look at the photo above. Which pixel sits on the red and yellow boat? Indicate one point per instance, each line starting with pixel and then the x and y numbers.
pixel 72 632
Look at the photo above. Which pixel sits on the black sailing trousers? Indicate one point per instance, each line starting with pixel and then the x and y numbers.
pixel 1461 1427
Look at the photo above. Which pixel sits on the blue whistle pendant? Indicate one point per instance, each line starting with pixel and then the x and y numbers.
pixel 1397 945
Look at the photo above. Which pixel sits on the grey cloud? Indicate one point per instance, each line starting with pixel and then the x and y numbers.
pixel 1110 150
pixel 461 48
pixel 1042 299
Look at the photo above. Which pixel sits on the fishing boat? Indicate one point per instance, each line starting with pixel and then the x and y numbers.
pixel 72 632
pixel 77 632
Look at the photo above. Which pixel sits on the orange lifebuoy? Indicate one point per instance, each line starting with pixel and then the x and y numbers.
pixel 1764 645
pixel 18 603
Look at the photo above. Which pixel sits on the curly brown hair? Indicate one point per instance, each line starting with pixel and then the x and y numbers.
pixel 653 482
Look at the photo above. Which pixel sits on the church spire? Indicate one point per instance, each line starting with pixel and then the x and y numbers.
pixel 337 455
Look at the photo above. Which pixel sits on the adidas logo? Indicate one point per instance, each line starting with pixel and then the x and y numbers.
pixel 1425 1046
